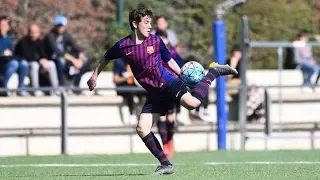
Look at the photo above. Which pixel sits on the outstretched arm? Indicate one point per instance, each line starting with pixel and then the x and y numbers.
pixel 174 66
pixel 92 82
pixel 101 65
pixel 112 53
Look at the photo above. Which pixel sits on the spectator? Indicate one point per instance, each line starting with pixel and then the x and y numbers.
pixel 31 48
pixel 123 77
pixel 8 64
pixel 304 58
pixel 68 56
pixel 161 24
pixel 255 105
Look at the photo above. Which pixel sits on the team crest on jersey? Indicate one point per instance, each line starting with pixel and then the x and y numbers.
pixel 150 50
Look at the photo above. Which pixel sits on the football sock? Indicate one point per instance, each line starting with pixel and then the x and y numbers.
pixel 163 131
pixel 170 126
pixel 202 88
pixel 153 145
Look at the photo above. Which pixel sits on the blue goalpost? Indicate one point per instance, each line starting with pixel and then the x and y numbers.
pixel 219 55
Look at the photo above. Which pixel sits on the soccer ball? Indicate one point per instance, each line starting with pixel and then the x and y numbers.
pixel 191 73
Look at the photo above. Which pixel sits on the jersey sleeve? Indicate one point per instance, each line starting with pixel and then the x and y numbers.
pixel 114 52
pixel 165 54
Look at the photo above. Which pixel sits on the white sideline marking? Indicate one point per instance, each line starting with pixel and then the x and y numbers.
pixel 136 165
pixel 72 165
pixel 262 163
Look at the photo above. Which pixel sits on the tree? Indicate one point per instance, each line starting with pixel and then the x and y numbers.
pixel 269 20
pixel 92 22
pixel 273 20
pixel 86 19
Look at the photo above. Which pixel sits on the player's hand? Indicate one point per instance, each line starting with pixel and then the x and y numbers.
pixel 92 82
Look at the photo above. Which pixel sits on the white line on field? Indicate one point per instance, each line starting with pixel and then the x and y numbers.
pixel 263 163
pixel 179 164
pixel 72 165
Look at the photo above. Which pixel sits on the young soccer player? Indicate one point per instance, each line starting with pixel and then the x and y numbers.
pixel 145 54
pixel 166 123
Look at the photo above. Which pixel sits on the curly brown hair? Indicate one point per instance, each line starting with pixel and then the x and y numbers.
pixel 137 14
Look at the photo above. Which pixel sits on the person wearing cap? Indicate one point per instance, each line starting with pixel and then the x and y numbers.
pixel 68 56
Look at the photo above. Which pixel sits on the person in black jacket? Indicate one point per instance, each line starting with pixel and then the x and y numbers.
pixel 68 56
pixel 31 48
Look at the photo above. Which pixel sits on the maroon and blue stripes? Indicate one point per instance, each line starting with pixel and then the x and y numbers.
pixel 154 147
pixel 145 61
pixel 202 88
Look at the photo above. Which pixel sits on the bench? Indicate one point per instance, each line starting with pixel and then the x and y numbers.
pixel 256 77
pixel 290 96
pixel 41 136
pixel 35 138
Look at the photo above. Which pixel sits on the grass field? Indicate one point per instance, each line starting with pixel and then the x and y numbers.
pixel 201 165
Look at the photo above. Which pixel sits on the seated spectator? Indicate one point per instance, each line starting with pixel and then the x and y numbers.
pixel 255 97
pixel 8 64
pixel 304 58
pixel 31 48
pixel 123 77
pixel 68 56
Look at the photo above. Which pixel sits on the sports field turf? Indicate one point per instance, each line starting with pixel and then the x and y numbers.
pixel 201 165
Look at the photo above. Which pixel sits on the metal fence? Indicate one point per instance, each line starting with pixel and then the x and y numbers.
pixel 64 111
pixel 246 44
pixel 64 105
pixel 64 129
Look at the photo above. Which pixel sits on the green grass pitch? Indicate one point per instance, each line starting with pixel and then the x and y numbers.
pixel 272 165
